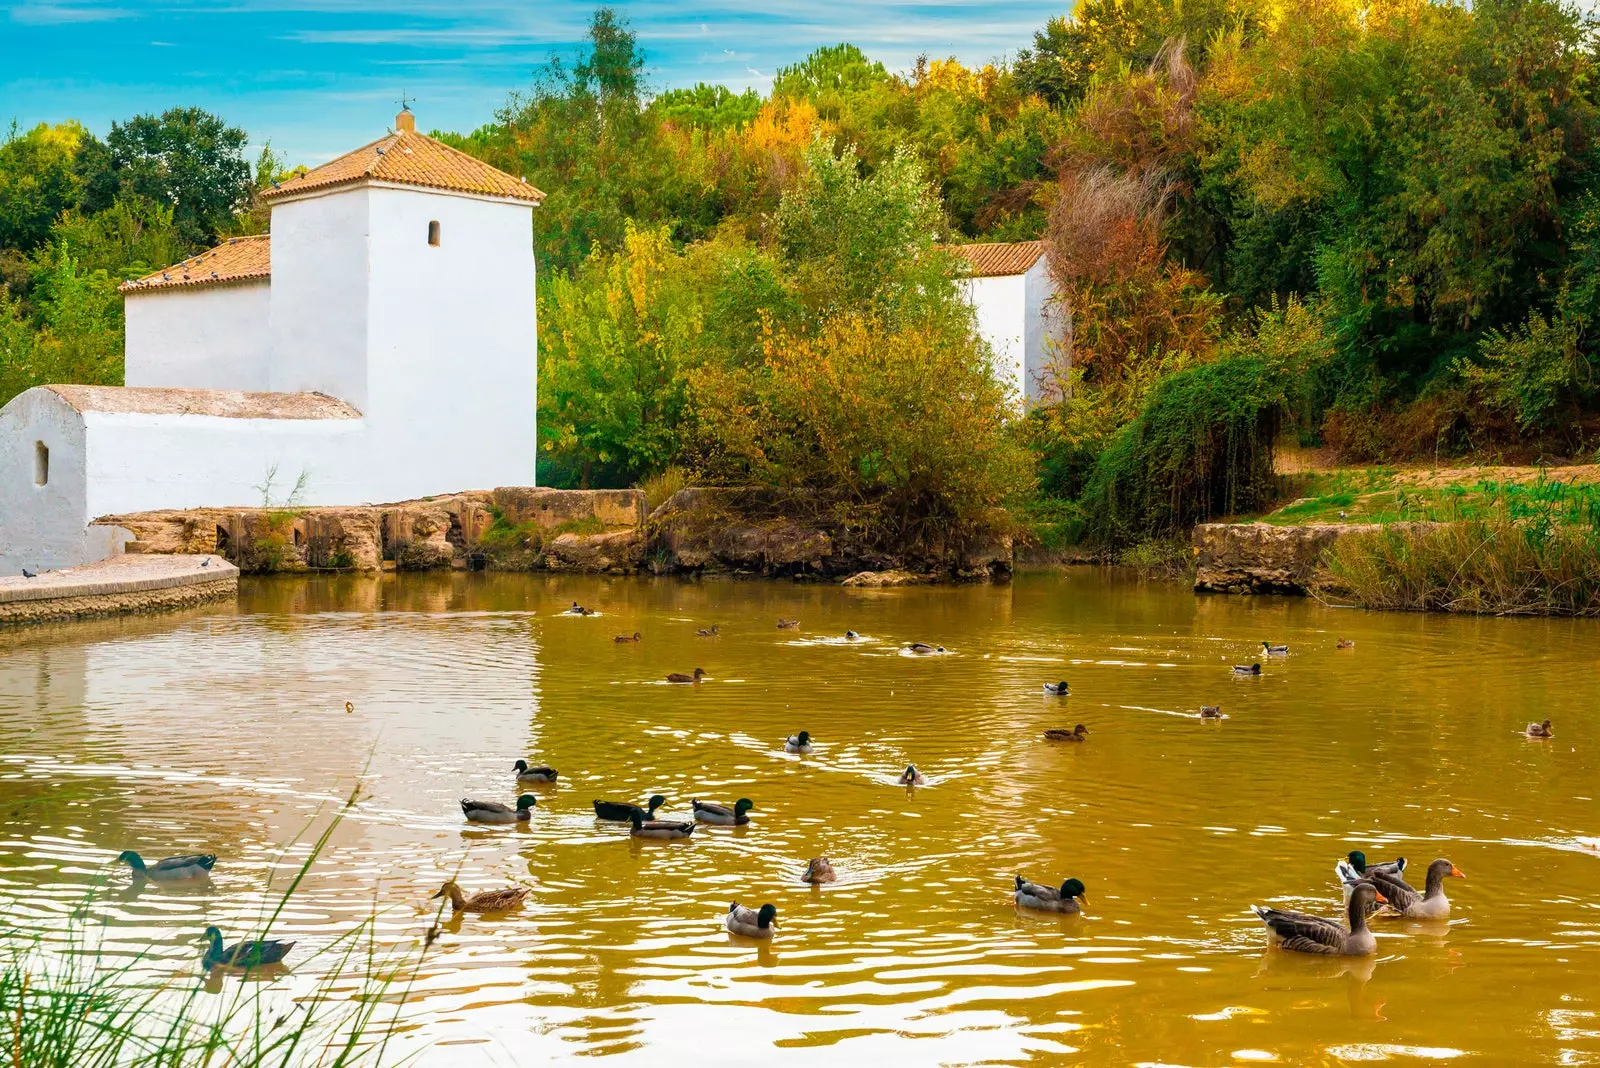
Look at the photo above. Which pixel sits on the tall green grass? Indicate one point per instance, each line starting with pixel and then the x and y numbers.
pixel 70 1003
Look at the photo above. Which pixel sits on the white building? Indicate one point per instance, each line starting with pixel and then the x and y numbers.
pixel 380 343
pixel 1010 288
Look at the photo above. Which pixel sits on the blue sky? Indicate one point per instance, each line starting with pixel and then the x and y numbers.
pixel 319 77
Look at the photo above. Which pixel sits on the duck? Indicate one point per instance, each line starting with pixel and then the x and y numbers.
pixel 1247 669
pixel 788 624
pixel 851 636
pixel 643 828
pixel 750 922
pixel 244 954
pixel 620 638
pixel 1354 868
pixel 578 610
pixel 1061 734
pixel 484 900
pixel 494 812
pixel 924 649
pixel 1059 689
pixel 1540 730
pixel 538 774
pixel 911 776
pixel 1403 899
pixel 1300 932
pixel 1070 898
pixel 169 869
pixel 722 815
pixel 1344 643
pixel 680 678
pixel 798 743
pixel 818 870
pixel 1275 650
pixel 619 812
pixel 709 632
pixel 1210 711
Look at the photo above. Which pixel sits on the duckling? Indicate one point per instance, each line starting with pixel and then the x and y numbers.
pixel 722 815
pixel 494 812
pixel 1247 669
pixel 1302 933
pixel 1057 688
pixel 798 743
pixel 1275 650
pixel 619 812
pixel 851 636
pixel 539 774
pixel 627 637
pixel 1070 898
pixel 1210 711
pixel 749 922
pixel 681 679
pixel 1344 643
pixel 924 649
pixel 484 900
pixel 911 776
pixel 1061 734
pixel 170 869
pixel 788 624
pixel 251 954
pixel 1540 730
pixel 709 632
pixel 643 828
pixel 818 870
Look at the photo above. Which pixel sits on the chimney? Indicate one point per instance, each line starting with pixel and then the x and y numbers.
pixel 405 122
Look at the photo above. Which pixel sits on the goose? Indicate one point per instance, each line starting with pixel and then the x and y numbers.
pixel 749 922
pixel 539 774
pixel 1057 688
pixel 788 624
pixel 1275 650
pixel 1302 933
pixel 798 743
pixel 1404 900
pixel 1247 669
pixel 680 678
pixel 1540 730
pixel 722 815
pixel 709 632
pixel 924 649
pixel 1070 898
pixel 851 636
pixel 483 900
pixel 494 812
pixel 170 869
pixel 1344 643
pixel 627 637
pixel 643 828
pixel 818 870
pixel 1061 734
pixel 618 812
pixel 911 776
pixel 244 954
pixel 1210 711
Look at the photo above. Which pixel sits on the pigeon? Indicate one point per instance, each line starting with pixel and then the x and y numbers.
pixel 206 562
pixel 28 574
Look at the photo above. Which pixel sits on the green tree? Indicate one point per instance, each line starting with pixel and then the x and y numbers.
pixel 37 182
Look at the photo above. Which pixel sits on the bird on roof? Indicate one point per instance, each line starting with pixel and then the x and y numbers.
pixel 165 277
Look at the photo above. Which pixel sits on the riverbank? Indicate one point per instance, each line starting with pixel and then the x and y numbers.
pixel 120 585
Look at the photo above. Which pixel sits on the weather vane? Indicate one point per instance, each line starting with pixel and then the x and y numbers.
pixel 405 101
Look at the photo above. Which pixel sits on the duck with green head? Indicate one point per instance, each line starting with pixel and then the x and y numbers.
pixel 494 812
pixel 621 812
pixel 752 923
pixel 249 954
pixel 722 815
pixel 170 869
pixel 1069 898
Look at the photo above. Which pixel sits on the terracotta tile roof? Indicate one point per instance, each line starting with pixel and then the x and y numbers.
pixel 409 158
pixel 238 259
pixel 223 403
pixel 996 258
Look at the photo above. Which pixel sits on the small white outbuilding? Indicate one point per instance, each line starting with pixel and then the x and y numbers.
pixel 1009 287
pixel 380 345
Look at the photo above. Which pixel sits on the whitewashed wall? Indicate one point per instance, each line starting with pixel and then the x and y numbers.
pixel 320 298
pixel 41 526
pixel 1045 321
pixel 200 337
pixel 1001 306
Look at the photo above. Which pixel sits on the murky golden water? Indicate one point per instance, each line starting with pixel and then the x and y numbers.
pixel 225 731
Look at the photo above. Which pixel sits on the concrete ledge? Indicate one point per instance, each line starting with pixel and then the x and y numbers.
pixel 117 586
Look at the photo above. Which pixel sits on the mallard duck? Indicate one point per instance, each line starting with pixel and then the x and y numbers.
pixel 1247 669
pixel 1344 643
pixel 798 743
pixel 494 812
pixel 244 954
pixel 1070 898
pixel 679 677
pixel 911 776
pixel 539 774
pixel 619 812
pixel 818 870
pixel 643 828
pixel 924 649
pixel 722 815
pixel 749 922
pixel 1303 933
pixel 1210 711
pixel 1540 730
pixel 709 632
pixel 1404 900
pixel 851 636
pixel 578 610
pixel 1275 650
pixel 1061 734
pixel 627 637
pixel 1057 688
pixel 788 624
pixel 483 900
pixel 1354 868
pixel 170 869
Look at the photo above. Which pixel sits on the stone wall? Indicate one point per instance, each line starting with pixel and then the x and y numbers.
pixel 1266 558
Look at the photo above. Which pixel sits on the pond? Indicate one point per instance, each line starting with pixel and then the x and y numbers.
pixel 225 731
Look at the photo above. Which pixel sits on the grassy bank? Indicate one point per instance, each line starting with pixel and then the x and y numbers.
pixel 1390 495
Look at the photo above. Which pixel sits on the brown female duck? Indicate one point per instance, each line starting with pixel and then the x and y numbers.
pixel 484 900
pixel 1061 734
pixel 1540 730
